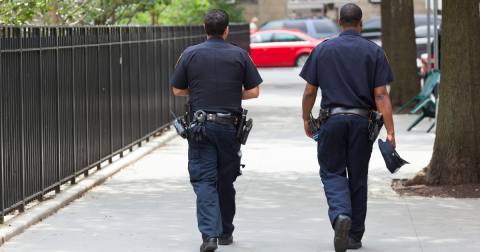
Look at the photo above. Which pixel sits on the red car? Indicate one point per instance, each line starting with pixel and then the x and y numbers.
pixel 281 47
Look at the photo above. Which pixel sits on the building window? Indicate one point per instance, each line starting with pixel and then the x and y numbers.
pixel 375 1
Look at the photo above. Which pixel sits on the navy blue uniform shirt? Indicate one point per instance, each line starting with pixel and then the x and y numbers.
pixel 214 73
pixel 347 69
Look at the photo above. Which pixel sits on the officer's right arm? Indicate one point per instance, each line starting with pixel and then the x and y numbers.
pixel 383 76
pixel 382 100
pixel 251 80
pixel 251 93
pixel 179 80
pixel 309 74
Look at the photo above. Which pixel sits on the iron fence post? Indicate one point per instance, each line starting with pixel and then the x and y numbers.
pixel 110 160
pixel 130 82
pixel 139 100
pixel 121 90
pixel 73 108
pixel 42 137
pixel 22 162
pixel 2 174
pixel 57 33
pixel 87 151
pixel 99 98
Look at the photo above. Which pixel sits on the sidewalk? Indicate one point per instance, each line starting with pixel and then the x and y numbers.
pixel 281 206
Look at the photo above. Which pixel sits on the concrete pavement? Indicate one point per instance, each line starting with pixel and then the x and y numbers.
pixel 281 206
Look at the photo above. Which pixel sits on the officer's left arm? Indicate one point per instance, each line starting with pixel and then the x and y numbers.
pixel 179 80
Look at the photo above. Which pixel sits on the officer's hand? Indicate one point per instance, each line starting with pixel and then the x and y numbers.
pixel 308 131
pixel 391 138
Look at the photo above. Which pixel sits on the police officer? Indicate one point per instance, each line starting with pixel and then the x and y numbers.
pixel 217 76
pixel 352 73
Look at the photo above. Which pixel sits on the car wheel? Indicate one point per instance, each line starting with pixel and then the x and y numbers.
pixel 301 59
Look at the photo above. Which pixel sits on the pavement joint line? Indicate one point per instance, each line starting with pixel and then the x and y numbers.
pixel 47 208
pixel 413 224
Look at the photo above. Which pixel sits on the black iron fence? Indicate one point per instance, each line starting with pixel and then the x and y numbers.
pixel 74 97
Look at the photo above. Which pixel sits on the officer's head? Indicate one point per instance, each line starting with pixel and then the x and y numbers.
pixel 216 23
pixel 351 17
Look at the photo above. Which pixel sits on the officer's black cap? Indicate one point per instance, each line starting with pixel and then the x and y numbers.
pixel 391 157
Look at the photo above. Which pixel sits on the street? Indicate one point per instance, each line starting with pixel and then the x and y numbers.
pixel 281 206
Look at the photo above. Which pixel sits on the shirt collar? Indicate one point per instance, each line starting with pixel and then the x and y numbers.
pixel 216 40
pixel 349 32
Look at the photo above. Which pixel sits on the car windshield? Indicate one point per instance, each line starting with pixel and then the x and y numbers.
pixel 261 37
pixel 373 26
pixel 300 25
pixel 272 25
pixel 421 31
pixel 325 27
pixel 420 21
pixel 286 37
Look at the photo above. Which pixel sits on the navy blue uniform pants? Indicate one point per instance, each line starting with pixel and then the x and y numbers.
pixel 344 149
pixel 213 164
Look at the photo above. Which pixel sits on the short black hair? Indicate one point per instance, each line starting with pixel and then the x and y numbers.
pixel 350 15
pixel 216 21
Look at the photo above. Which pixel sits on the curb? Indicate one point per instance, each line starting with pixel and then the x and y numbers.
pixel 43 210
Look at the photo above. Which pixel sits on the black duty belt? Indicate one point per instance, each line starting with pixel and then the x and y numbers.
pixel 223 118
pixel 326 113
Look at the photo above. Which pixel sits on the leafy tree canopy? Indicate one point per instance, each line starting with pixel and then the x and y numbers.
pixel 105 12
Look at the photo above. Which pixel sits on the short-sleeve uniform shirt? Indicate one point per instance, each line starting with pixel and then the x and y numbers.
pixel 215 72
pixel 347 69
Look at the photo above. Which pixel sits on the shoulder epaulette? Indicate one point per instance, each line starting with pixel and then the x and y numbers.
pixel 234 44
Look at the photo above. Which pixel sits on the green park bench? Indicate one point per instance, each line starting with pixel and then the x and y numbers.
pixel 423 100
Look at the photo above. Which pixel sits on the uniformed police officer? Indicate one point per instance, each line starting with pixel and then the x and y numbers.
pixel 217 76
pixel 352 73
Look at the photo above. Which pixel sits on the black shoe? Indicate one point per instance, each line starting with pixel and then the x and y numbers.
pixel 209 245
pixel 225 241
pixel 353 244
pixel 342 226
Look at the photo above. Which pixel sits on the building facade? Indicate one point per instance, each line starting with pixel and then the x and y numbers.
pixel 267 10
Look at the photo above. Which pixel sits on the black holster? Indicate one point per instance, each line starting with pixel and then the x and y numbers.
pixel 188 108
pixel 244 127
pixel 375 126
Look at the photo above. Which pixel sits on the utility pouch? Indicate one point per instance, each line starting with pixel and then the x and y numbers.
pixel 375 126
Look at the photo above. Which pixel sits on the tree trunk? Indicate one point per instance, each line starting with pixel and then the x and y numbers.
pixel 456 152
pixel 53 13
pixel 152 16
pixel 398 39
pixel 113 18
pixel 386 11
